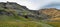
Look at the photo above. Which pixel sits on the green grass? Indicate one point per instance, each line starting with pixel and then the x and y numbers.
pixel 18 24
pixel 21 24
pixel 11 21
pixel 54 24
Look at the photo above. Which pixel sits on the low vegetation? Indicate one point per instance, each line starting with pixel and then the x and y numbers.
pixel 54 24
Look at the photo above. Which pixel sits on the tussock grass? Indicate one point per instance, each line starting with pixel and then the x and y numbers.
pixel 55 24
pixel 19 24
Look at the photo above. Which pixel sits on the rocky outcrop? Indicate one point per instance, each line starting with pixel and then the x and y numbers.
pixel 16 9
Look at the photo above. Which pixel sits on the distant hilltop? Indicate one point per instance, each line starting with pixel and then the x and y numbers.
pixel 8 4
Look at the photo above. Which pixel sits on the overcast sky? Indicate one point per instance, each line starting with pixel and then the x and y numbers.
pixel 32 4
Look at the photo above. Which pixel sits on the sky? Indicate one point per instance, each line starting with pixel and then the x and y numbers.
pixel 34 4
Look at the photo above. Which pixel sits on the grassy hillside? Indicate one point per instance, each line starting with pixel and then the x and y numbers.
pixel 7 20
pixel 11 21
pixel 18 21
pixel 15 15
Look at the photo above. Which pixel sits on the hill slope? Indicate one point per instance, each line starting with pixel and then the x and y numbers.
pixel 15 15
pixel 52 12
